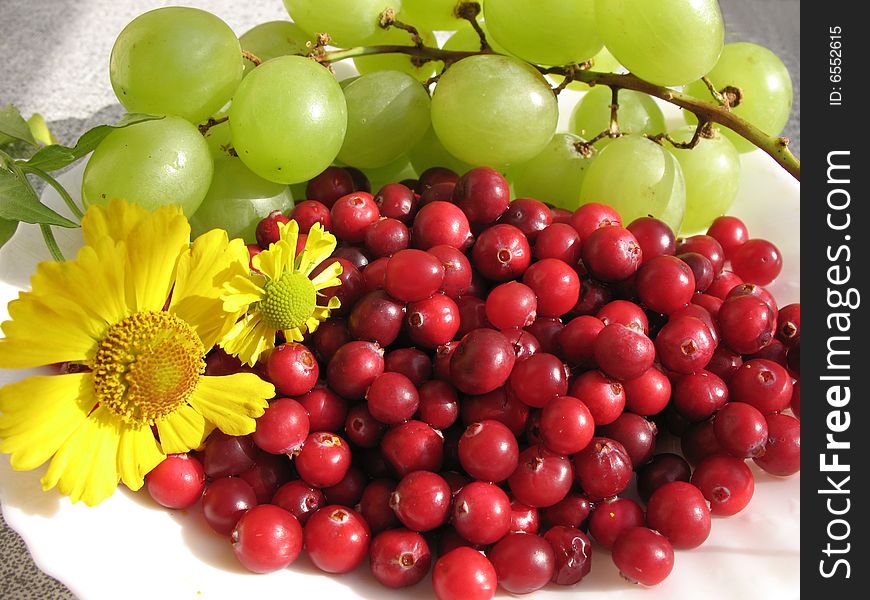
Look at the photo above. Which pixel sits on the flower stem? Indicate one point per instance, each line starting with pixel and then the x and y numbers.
pixel 71 204
pixel 51 243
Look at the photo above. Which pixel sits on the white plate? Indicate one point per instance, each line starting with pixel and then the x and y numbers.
pixel 130 548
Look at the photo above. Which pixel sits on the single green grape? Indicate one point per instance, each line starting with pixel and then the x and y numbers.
pixel 638 113
pixel 387 113
pixel 466 39
pixel 546 32
pixel 397 170
pixel 555 176
pixel 603 62
pixel 434 15
pixel 429 152
pixel 348 22
pixel 493 110
pixel 273 39
pixel 176 61
pixel 165 161
pixel 711 171
pixel 288 119
pixel 7 230
pixel 237 200
pixel 666 42
pixel 764 84
pixel 398 62
pixel 637 177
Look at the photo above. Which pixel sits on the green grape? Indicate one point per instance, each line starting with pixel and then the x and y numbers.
pixel 219 140
pixel 493 110
pixel 637 177
pixel 398 62
pixel 555 175
pixel 711 171
pixel 387 113
pixel 638 113
pixel 765 85
pixel 288 119
pixel 176 61
pixel 237 200
pixel 666 42
pixel 7 230
pixel 429 152
pixel 348 22
pixel 397 170
pixel 466 39
pixel 603 62
pixel 546 32
pixel 435 15
pixel 274 39
pixel 152 163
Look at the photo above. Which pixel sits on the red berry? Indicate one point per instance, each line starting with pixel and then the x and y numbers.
pixel 501 252
pixel 589 217
pixel 566 425
pixel 413 275
pixel 679 511
pixel 538 379
pixel 764 384
pixel 283 427
pixel 665 284
pixel 267 231
pixel 300 499
pixel 177 482
pixel 757 261
pixel 726 482
pixel 421 501
pixel 413 446
pixel 324 459
pixel 573 554
pixel 267 538
pixel 481 513
pixel 483 195
pixel 662 469
pixel 559 240
pixel 432 321
pixel 623 353
pixel 542 478
pixel 655 237
pixel 464 574
pixel 385 237
pixel 309 212
pixel 730 232
pixel 392 398
pixel 330 185
pixel 603 468
pixel 224 502
pixel 643 555
pixel 352 214
pixel 782 454
pixel 441 223
pixel 395 201
pixel 528 215
pixel 336 539
pixel 611 517
pixel 611 253
pixel 482 362
pixel 524 562
pixel 511 304
pixel 556 285
pixel 293 369
pixel 377 317
pixel 399 558
pixel 488 451
pixel 353 368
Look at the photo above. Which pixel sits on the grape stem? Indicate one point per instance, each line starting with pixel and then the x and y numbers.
pixel 204 127
pixel 252 57
pixel 776 147
pixel 469 12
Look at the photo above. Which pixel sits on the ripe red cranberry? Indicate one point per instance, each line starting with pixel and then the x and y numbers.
pixel 542 478
pixel 546 330
pixel 177 482
pixel 377 317
pixel 625 313
pixel 529 216
pixel 439 404
pixel 413 275
pixel 702 269
pixel 788 328
pixel 352 214
pixel 700 441
pixel 782 454
pixel 374 505
pixel 441 360
pixel 422 501
pixel 560 241
pixel 362 429
pixel 440 223
pixel 655 237
pixel 309 212
pixel 556 285
pixel 524 562
pixel 481 513
pixel 726 482
pixel 374 274
pixel 432 321
pixel 483 194
pixel 225 500
pixel 661 469
pixel 603 468
pixel 538 379
pixel 326 410
pixel 413 446
pixel 464 574
pixel 227 455
pixel 706 246
pixel 324 459
pixel 698 312
pixel 283 427
pixel 573 554
pixel 577 340
pixel 523 342
pixel 611 254
pixel 501 253
pixel 685 345
pixel 524 519
pixel 679 511
pixel 267 231
pixel 336 539
pixel 501 405
pixel 457 270
pixel 350 290
pixel 392 398
pixel 329 186
pixel 511 304
pixel 300 499
pixel 293 369
pixel 762 383
pixel 623 353
pixel 711 304
pixel 434 176
pixel 329 337
pixel 561 215
pixel 636 434
pixel 472 315
pixel 611 517
pixel 750 289
pixel 757 261
pixel 724 363
pixel 698 396
pixel 267 475
pixel 488 451
pixel 353 368
pixel 482 362
pixel 395 201
pixel 267 538
pixel 723 283
pixel 648 394
pixel 566 425
pixel 572 511
pixel 410 362
pixel 643 555
pixel 386 236
pixel 604 397
pixel 592 216
pixel 399 558
pixel 730 232
pixel 665 284
pixel 593 296
pixel 440 192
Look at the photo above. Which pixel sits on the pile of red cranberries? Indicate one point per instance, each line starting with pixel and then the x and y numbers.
pixel 494 387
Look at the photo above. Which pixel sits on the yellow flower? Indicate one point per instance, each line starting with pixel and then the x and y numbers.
pixel 282 297
pixel 139 307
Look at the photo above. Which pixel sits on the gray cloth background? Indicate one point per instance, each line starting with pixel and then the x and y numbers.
pixel 54 60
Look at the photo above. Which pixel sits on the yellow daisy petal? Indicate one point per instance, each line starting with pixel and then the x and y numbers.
pixel 114 221
pixel 232 402
pixel 85 467
pixel 38 414
pixel 138 453
pixel 294 334
pixel 318 247
pixel 242 291
pixel 248 339
pixel 183 430
pixel 273 262
pixel 289 234
pixel 328 277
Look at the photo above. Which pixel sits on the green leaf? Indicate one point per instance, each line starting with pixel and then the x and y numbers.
pixel 51 158
pixel 13 125
pixel 19 202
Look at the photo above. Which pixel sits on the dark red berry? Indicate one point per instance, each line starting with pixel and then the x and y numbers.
pixel 589 217
pixel 395 201
pixel 661 469
pixel 538 379
pixel 267 538
pixel 501 252
pixel 336 539
pixel 573 554
pixel 464 574
pixel 283 427
pixel 330 185
pixel 481 513
pixel 422 501
pixel 762 383
pixel 524 562
pixel 726 482
pixel 528 215
pixel 611 254
pixel 300 499
pixel 643 555
pixel 679 511
pixel 399 558
pixel 488 451
pixel 432 321
pixel 542 478
pixel 685 345
pixel 483 194
pixel 706 246
pixel 611 517
pixel 560 241
pixel 413 446
pixel 604 397
pixel 482 362
pixel 665 284
pixel 730 232
pixel 782 454
pixel 655 237
pixel 603 469
pixel 353 368
pixel 224 502
pixel 757 261
pixel 267 231
pixel 623 353
pixel 392 398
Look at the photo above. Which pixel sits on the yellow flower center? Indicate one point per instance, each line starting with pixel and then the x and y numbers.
pixel 290 300
pixel 147 366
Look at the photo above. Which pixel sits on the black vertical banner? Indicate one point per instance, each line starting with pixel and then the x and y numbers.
pixel 835 256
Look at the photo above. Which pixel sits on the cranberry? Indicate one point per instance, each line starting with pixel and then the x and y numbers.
pixel 625 313
pixel 636 434
pixel 300 499
pixel 648 394
pixel 330 185
pixel 542 478
pixel 336 539
pixel 577 340
pixel 788 328
pixel 589 217
pixel 700 441
pixel 227 455
pixel 457 270
pixel 386 236
pixel 764 384
pixel 293 369
pixel 329 337
pixel 511 304
pixel 661 469
pixel 440 192
pixel 432 321
pixel 726 482
pixel 488 451
pixel 324 459
pixel 177 482
pixel 655 237
pixel 326 411
pixel 267 538
pixel 730 232
pixel 395 201
pixel 410 362
pixel 351 288
pixel 529 216
pixel 685 345
pixel 702 269
pixel 481 513
pixel 538 379
pixel 706 246
pixel 573 554
pixel 377 317
pixel 482 362
pixel 501 405
pixel 353 368
pixel 413 446
pixel 441 361
pixel 623 353
pixel 283 427
pixel 267 231
pixel 439 405
pixel 472 315
pixel 267 475
pixel 793 360
pixel 374 505
pixel 561 215
pixel 441 223
pixel 501 253
pixel 524 562
pixel 483 195
pixel 603 468
pixel 757 261
pixel 556 285
pixel 593 296
pixel 643 555
pixel 611 253
pixel 572 511
pixel 697 396
pixel 413 275
pixel 604 397
pixel 724 363
pixel 524 519
pixel 523 342
pixel 464 574
pixel 374 274
pixel 611 517
pixel 362 429
pixel 560 241
pixel 665 283
pixel 399 558
pixel 782 454
pixel 352 214
pixel 566 425
pixel 698 312
pixel 679 511
pixel 392 398
pixel 224 502
pixel 723 283
pixel 422 501
pixel 546 330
